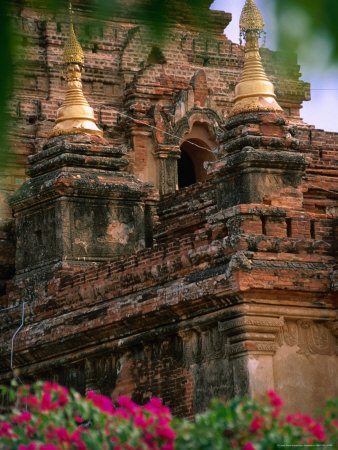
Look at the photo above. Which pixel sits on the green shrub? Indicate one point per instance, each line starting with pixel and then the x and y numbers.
pixel 46 416
pixel 255 424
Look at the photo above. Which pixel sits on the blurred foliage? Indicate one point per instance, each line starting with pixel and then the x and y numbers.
pixel 256 424
pixel 7 49
pixel 307 25
pixel 299 21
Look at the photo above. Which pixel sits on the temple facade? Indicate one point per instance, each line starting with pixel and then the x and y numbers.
pixel 173 232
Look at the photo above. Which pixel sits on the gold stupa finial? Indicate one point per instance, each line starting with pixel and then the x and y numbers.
pixel 75 116
pixel 251 18
pixel 254 91
pixel 73 52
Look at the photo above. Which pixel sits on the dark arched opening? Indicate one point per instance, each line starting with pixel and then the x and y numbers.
pixel 186 170
pixel 194 153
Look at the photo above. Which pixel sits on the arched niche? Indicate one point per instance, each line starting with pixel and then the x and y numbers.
pixel 196 148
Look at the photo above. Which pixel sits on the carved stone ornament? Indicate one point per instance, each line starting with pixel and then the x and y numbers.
pixel 309 336
pixel 252 334
pixel 254 323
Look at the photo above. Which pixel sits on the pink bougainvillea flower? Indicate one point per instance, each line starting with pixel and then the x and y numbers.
pixel 165 410
pixel 128 404
pixel 154 405
pixel 248 446
pixel 50 434
pixel 30 431
pixel 165 433
pixel 275 413
pixel 63 400
pixel 300 420
pixel 76 435
pixel 62 434
pixel 307 419
pixel 120 412
pixel 31 446
pixel 318 432
pixel 156 402
pixel 5 429
pixel 25 416
pixel 148 426
pixel 141 421
pixel 63 396
pixel 90 395
pixel 168 446
pixel 275 400
pixel 163 420
pixel 48 446
pixel 148 439
pixel 256 424
pixel 31 400
pixel 46 402
pixel 308 424
pixel 47 386
pixel 76 438
pixel 101 401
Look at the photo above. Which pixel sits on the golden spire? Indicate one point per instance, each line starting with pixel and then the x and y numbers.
pixel 254 91
pixel 251 18
pixel 75 116
pixel 72 52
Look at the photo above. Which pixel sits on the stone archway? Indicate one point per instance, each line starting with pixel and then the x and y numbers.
pixel 196 148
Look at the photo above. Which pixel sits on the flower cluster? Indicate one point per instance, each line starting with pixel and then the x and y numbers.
pixel 256 424
pixel 57 419
pixel 308 425
pixel 47 416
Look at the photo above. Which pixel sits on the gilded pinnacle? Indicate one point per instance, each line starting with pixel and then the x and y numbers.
pixel 254 91
pixel 75 115
pixel 251 18
pixel 73 52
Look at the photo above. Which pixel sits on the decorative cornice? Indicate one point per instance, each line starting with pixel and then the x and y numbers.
pixel 251 334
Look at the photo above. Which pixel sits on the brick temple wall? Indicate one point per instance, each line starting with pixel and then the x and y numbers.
pixel 152 323
pixel 121 76
pixel 225 299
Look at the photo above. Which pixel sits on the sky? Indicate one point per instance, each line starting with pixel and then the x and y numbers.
pixel 321 110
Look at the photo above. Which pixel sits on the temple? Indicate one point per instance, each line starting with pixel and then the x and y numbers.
pixel 169 222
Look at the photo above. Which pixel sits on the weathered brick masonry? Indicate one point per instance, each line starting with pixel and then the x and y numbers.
pixel 225 287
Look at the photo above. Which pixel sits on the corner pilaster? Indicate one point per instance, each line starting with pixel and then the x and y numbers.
pixel 167 174
pixel 251 346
